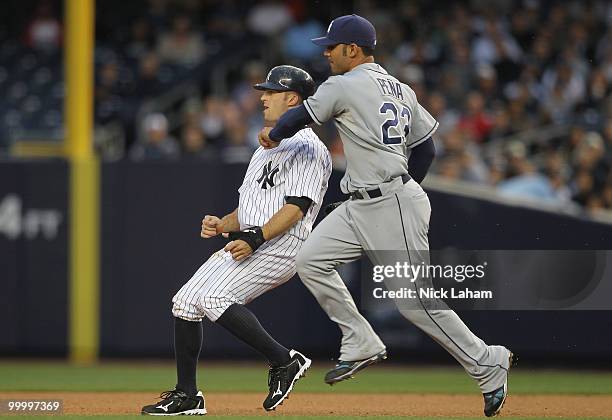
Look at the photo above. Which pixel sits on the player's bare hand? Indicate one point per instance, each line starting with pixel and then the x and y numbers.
pixel 211 226
pixel 239 249
pixel 264 138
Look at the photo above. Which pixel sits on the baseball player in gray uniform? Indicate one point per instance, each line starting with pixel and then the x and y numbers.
pixel 380 123
pixel 280 198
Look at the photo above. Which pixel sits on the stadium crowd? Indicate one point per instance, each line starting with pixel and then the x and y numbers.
pixel 521 88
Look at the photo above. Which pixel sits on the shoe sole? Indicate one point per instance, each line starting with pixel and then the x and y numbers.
pixel 511 362
pixel 194 412
pixel 301 373
pixel 358 367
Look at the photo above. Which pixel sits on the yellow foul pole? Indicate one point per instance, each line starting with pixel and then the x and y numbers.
pixel 84 288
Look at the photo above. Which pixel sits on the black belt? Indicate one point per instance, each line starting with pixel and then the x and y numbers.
pixel 375 193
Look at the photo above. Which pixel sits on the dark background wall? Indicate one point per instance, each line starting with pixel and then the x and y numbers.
pixel 33 258
pixel 151 214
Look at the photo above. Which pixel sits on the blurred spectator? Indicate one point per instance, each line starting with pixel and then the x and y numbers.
pixel 108 92
pixel 211 121
pixel 249 99
pixel 336 150
pixel 437 107
pixel 181 45
pixel 141 39
pixel 494 46
pixel 582 187
pixel 269 17
pixel 148 83
pixel 476 123
pixel 194 144
pixel 44 32
pixel 156 144
pixel 296 40
pixel 501 125
pixel 461 158
pixel 528 183
pixel 540 73
pixel 157 14
pixel 589 157
pixel 236 147
pixel 564 88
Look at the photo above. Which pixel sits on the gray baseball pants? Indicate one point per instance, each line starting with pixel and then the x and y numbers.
pixel 396 221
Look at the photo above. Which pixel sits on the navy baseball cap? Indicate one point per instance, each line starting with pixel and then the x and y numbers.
pixel 349 29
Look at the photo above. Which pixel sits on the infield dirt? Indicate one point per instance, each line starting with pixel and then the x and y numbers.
pixel 335 404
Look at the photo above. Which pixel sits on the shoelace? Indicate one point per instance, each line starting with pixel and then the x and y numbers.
pixel 275 374
pixel 169 394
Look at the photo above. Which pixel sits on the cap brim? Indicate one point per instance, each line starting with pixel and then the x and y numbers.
pixel 324 41
pixel 270 86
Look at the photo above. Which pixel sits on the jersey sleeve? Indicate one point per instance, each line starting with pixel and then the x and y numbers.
pixel 308 172
pixel 422 127
pixel 326 101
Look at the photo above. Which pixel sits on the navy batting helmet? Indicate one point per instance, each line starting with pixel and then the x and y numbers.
pixel 288 78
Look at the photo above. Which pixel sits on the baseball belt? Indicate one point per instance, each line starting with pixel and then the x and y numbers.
pixel 375 192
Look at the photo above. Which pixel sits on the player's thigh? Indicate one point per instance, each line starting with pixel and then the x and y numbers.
pixel 331 243
pixel 251 276
pixel 216 264
pixel 397 221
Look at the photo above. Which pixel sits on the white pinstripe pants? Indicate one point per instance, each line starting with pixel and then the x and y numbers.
pixel 221 281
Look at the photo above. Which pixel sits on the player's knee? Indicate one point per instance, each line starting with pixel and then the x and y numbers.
pixel 213 308
pixel 309 262
pixel 186 311
pixel 304 262
pixel 417 316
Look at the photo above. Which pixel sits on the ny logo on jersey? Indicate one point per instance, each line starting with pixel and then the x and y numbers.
pixel 267 175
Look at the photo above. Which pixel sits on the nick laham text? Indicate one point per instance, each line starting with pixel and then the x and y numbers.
pixel 406 293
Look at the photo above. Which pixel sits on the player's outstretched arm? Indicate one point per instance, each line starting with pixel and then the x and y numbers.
pixel 213 226
pixel 289 123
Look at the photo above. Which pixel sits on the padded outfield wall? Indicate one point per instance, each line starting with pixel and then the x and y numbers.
pixel 150 245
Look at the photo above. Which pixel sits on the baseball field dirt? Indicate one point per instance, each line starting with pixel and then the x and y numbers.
pixel 338 404
pixel 236 391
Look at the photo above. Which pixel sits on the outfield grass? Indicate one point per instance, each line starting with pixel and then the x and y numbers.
pixel 22 376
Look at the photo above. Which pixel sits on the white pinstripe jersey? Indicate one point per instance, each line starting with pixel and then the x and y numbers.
pixel 300 166
pixel 379 120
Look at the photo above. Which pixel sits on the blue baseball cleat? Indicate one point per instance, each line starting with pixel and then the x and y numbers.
pixel 346 370
pixel 494 401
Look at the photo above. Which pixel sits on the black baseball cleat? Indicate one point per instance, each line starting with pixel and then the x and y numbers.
pixel 177 403
pixel 281 379
pixel 494 401
pixel 346 370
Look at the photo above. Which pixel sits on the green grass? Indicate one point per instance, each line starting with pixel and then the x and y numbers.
pixel 156 377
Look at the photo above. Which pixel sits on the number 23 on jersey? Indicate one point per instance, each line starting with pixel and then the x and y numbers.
pixel 397 122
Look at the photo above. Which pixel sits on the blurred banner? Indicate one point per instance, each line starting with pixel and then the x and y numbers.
pixel 151 217
pixel 33 257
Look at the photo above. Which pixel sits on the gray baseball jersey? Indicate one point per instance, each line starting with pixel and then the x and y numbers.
pixel 378 118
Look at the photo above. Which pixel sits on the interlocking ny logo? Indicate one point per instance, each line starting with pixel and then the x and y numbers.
pixel 267 175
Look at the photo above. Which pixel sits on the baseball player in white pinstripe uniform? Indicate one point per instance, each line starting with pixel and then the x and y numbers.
pixel 280 198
